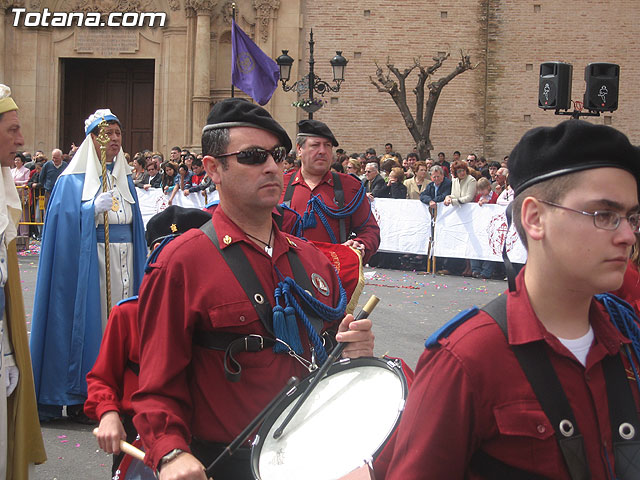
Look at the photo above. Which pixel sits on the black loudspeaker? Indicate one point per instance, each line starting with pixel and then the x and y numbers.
pixel 602 81
pixel 554 92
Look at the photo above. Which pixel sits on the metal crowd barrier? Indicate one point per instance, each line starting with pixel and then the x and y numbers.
pixel 33 205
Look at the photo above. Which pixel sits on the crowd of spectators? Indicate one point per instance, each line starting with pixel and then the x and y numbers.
pixel 432 181
pixel 35 175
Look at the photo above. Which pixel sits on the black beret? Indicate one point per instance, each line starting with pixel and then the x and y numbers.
pixel 174 220
pixel 574 145
pixel 238 112
pixel 315 128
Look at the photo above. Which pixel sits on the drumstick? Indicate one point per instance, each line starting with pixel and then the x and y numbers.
pixel 337 351
pixel 288 390
pixel 127 448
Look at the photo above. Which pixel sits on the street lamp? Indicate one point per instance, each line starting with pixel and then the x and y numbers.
pixel 311 82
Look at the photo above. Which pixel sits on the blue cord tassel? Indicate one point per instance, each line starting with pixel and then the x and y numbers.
pixel 309 220
pixel 293 334
pixel 279 328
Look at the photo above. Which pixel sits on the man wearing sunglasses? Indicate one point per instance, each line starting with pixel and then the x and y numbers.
pixel 333 206
pixel 188 409
pixel 543 381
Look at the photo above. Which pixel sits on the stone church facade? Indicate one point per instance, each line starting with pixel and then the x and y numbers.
pixel 162 81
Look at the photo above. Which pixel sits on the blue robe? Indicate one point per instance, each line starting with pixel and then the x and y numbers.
pixel 66 329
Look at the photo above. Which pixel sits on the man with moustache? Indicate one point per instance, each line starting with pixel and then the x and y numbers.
pixel 187 409
pixel 333 206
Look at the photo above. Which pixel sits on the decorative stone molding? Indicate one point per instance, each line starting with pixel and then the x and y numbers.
pixel 265 11
pixel 202 6
pixel 174 4
pixel 227 12
pixel 107 6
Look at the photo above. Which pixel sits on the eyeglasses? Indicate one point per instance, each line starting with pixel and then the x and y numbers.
pixel 257 155
pixel 605 219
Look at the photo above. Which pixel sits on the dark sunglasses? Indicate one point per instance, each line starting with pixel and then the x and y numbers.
pixel 257 155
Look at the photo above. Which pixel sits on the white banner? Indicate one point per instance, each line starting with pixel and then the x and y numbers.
pixel 467 231
pixel 153 201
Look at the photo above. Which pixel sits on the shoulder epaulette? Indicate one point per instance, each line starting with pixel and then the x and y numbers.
pixel 156 251
pixel 125 300
pixel 212 203
pixel 448 328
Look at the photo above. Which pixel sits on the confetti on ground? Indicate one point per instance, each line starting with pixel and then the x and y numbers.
pixel 393 286
pixel 34 249
pixel 62 436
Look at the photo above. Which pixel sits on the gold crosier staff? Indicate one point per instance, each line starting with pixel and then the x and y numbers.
pixel 103 140
pixel 431 258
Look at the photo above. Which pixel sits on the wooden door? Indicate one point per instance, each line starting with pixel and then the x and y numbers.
pixel 124 86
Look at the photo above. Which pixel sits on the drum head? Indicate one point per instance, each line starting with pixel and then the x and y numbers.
pixel 345 422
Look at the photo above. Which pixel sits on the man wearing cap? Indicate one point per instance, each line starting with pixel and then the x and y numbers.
pixel 210 361
pixel 114 377
pixel 21 442
pixel 70 311
pixel 333 206
pixel 543 381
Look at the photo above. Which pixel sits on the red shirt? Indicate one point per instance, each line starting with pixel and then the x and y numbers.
pixel 492 200
pixel 471 394
pixel 362 222
pixel 183 389
pixel 110 383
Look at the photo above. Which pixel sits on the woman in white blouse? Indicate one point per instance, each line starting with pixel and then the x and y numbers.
pixel 463 185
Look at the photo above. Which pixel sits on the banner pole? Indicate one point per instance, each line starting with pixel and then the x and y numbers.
pixel 233 16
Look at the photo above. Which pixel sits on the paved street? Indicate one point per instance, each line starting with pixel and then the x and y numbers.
pixel 412 306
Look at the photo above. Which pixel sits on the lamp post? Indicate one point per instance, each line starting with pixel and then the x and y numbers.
pixel 311 82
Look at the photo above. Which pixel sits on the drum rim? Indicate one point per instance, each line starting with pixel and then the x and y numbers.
pixel 392 364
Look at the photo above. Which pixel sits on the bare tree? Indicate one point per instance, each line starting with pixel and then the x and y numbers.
pixel 420 126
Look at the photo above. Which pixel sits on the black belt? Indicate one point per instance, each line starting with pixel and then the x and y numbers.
pixel 233 343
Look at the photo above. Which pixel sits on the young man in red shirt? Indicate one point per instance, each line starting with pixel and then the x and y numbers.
pixel 472 412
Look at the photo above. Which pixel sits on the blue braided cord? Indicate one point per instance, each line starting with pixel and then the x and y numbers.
pixel 326 225
pixel 156 251
pixel 343 212
pixel 313 335
pixel 286 289
pixel 315 206
pixel 297 226
pixel 625 320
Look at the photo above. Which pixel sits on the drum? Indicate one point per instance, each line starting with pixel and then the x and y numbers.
pixel 344 423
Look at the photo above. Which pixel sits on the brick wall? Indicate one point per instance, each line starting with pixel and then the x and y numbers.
pixel 485 110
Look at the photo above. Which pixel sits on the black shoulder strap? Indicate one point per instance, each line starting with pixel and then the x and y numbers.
pixel 279 218
pixel 625 426
pixel 338 196
pixel 288 194
pixel 537 367
pixel 237 262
